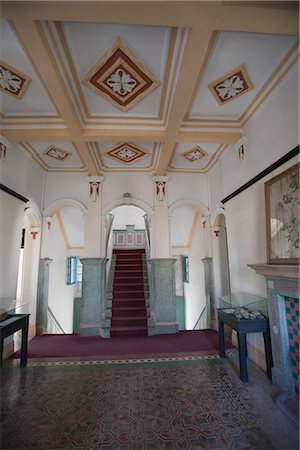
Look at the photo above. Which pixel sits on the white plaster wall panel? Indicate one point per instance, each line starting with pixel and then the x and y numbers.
pixel 10 243
pixel 73 222
pixel 128 215
pixel 215 180
pixel 261 54
pixel 87 43
pixel 181 223
pixel 66 185
pixel 61 296
pixel 20 173
pixel 191 185
pixel 139 185
pixel 35 99
pixel 271 133
pixel 195 289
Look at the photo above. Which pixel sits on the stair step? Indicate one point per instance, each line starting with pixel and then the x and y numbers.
pixel 128 287
pixel 131 311
pixel 129 322
pixel 125 332
pixel 139 303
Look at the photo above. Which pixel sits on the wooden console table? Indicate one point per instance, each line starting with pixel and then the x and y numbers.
pixel 242 327
pixel 10 325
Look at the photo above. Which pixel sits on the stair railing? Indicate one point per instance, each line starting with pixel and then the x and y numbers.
pixel 202 320
pixel 109 242
pixel 53 325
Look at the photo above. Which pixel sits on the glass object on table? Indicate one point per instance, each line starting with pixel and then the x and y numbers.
pixel 242 301
pixel 12 306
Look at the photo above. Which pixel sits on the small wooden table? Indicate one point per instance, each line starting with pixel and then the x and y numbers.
pixel 10 325
pixel 242 327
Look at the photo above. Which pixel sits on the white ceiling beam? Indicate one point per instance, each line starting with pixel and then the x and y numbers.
pixel 260 17
pixel 31 38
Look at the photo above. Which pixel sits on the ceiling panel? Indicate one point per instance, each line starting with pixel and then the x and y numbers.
pixel 260 54
pixel 88 42
pixel 194 156
pixel 55 154
pixel 111 154
pixel 35 99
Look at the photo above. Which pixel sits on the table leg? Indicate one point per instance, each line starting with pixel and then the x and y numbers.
pixel 268 352
pixel 242 357
pixel 1 352
pixel 221 339
pixel 23 362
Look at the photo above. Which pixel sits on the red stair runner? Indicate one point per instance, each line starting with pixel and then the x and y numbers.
pixel 129 313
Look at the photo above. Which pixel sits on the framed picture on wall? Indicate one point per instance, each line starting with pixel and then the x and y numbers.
pixel 282 217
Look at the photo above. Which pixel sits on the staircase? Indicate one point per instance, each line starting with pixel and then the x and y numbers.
pixel 129 313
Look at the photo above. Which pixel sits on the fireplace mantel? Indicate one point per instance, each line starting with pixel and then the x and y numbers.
pixel 282 283
pixel 276 270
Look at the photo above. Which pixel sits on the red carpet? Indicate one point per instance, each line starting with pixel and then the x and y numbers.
pixel 129 314
pixel 70 345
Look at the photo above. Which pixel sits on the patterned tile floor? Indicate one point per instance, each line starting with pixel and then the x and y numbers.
pixel 197 403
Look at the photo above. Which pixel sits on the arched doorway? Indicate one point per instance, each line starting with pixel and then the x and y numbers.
pixel 220 256
pixel 189 247
pixel 26 293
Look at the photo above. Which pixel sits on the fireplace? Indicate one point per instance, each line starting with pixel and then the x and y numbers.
pixel 283 306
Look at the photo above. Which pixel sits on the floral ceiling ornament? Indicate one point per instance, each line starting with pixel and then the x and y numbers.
pixel 231 85
pixel 12 81
pixel 121 77
pixel 126 152
pixel 57 153
pixel 121 82
pixel 194 154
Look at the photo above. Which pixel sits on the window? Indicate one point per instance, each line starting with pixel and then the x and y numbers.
pixel 72 270
pixel 185 269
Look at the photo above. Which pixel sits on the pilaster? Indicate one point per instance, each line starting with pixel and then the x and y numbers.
pixel 93 320
pixel 94 246
pixel 162 296
pixel 161 246
pixel 42 296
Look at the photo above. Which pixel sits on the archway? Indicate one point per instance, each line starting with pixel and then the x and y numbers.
pixel 220 254
pixel 26 294
pixel 189 247
pixel 63 241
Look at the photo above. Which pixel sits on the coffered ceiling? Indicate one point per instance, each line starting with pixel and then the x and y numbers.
pixel 139 86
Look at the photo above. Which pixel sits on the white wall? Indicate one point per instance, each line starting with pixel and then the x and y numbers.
pixel 21 174
pixel 271 133
pixel 61 296
pixel 188 185
pixel 65 185
pixel 194 291
pixel 128 215
pixel 11 216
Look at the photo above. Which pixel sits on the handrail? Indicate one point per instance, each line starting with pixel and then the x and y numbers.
pixel 55 321
pixel 109 227
pixel 199 318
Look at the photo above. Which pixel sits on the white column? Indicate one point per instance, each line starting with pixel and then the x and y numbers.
pixel 161 225
pixel 45 244
pixel 94 246
pixel 30 273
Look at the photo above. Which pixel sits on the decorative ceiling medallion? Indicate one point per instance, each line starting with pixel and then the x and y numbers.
pixel 232 85
pixel 126 153
pixel 57 153
pixel 194 154
pixel 12 81
pixel 121 77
